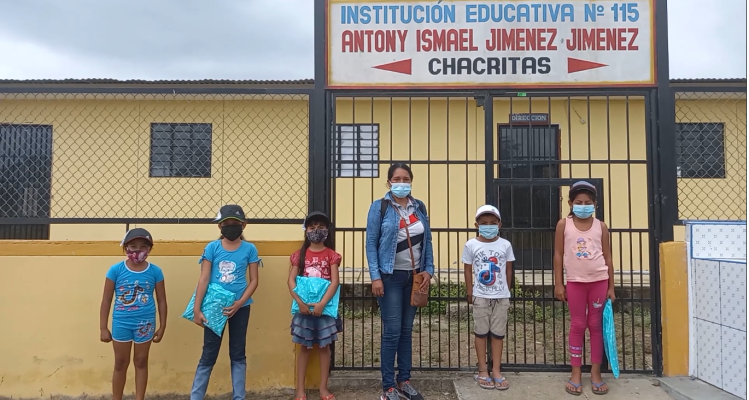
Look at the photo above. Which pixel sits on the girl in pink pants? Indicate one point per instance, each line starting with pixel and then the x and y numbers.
pixel 583 252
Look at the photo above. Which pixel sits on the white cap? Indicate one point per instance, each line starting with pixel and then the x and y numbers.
pixel 487 209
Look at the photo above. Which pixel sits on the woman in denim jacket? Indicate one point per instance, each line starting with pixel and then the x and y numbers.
pixel 391 271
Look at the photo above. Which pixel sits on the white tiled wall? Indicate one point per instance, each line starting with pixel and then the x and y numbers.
pixel 718 304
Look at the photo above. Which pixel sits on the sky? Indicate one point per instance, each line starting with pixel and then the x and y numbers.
pixel 264 39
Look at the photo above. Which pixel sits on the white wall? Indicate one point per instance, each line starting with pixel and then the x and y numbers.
pixel 717 304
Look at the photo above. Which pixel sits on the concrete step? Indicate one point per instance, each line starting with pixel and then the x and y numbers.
pixel 684 388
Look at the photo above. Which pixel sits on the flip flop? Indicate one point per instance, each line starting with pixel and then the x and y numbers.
pixel 498 383
pixel 484 382
pixel 597 389
pixel 576 386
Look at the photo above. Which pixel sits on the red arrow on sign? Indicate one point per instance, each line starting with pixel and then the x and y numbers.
pixel 576 65
pixel 401 67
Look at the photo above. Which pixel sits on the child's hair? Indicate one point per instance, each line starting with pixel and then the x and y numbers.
pixel 329 243
pixel 583 187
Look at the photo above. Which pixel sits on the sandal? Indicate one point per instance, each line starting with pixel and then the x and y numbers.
pixel 328 397
pixel 501 383
pixel 484 382
pixel 576 386
pixel 596 388
pixel 301 398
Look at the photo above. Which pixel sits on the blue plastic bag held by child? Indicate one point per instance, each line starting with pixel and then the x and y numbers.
pixel 311 290
pixel 215 300
pixel 609 338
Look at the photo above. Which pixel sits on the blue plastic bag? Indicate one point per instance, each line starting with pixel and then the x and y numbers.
pixel 311 290
pixel 215 300
pixel 609 338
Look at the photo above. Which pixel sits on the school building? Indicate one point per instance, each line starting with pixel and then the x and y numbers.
pixel 85 160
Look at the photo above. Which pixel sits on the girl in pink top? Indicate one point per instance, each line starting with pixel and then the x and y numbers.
pixel 583 251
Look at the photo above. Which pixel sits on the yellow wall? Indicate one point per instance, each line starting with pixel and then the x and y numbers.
pixel 101 153
pixel 675 308
pixel 717 198
pixel 51 344
pixel 439 130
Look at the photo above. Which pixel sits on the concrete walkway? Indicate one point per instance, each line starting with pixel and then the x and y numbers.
pixel 693 389
pixel 544 386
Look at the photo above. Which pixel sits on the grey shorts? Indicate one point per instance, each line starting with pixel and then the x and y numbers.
pixel 490 317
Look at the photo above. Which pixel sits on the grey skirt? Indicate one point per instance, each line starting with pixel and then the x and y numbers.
pixel 310 331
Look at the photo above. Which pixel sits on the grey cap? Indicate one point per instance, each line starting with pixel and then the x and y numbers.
pixel 136 233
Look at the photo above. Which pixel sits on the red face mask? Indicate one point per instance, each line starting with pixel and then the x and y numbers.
pixel 136 256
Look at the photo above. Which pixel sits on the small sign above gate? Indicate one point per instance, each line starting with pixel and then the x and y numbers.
pixel 529 117
pixel 481 43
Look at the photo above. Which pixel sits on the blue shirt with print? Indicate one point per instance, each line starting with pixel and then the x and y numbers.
pixel 229 268
pixel 133 290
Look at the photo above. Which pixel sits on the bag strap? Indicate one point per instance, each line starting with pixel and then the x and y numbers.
pixel 383 207
pixel 408 238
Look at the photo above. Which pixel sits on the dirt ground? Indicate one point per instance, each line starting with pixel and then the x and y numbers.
pixel 534 336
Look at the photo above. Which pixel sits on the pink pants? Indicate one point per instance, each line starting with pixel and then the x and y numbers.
pixel 585 301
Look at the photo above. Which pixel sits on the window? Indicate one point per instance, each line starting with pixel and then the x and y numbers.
pixel 25 180
pixel 700 151
pixel 181 150
pixel 357 151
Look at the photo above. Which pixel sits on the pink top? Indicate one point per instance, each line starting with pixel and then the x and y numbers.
pixel 583 253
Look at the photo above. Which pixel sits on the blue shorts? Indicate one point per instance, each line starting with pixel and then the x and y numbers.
pixel 133 330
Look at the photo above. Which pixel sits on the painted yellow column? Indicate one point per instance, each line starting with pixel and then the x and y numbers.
pixel 675 308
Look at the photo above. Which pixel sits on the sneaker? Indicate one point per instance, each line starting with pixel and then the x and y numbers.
pixel 391 394
pixel 409 393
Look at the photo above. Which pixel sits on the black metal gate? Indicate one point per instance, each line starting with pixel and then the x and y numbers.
pixel 519 151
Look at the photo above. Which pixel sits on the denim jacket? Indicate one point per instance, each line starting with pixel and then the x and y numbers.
pixel 382 239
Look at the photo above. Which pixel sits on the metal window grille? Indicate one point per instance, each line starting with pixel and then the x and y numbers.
pixel 700 151
pixel 357 151
pixel 181 150
pixel 25 171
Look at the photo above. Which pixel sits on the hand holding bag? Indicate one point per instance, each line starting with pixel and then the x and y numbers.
pixel 419 298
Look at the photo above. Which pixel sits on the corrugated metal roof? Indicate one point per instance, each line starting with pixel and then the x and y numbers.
pixel 709 80
pixel 98 81
pixel 104 81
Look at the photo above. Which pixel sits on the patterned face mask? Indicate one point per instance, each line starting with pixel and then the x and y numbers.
pixel 317 235
pixel 136 256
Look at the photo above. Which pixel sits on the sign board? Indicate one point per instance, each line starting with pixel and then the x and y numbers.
pixel 529 117
pixel 482 44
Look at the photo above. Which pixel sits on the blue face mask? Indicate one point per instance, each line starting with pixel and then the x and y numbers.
pixel 400 190
pixel 583 211
pixel 489 232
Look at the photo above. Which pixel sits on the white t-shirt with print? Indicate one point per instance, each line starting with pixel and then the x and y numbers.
pixel 489 261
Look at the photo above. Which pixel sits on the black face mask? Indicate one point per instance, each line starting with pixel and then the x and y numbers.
pixel 232 232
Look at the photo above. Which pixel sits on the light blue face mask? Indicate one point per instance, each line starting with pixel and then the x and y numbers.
pixel 400 190
pixel 489 232
pixel 583 211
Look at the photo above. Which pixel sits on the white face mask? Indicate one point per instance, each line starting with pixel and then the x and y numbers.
pixel 400 190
